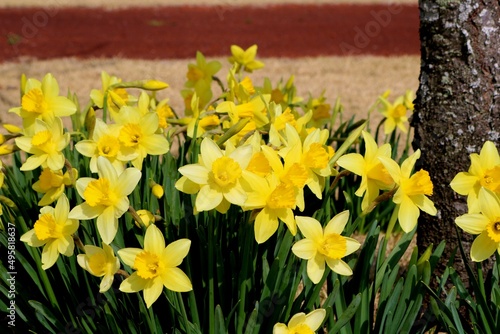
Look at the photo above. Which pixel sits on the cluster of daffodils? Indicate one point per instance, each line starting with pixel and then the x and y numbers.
pixel 481 185
pixel 261 149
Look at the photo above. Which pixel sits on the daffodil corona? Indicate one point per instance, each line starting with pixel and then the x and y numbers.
pixel 156 266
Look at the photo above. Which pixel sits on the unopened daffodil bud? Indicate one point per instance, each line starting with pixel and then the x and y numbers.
pixel 157 189
pixel 7 149
pixel 154 85
pixel 14 129
pixel 147 218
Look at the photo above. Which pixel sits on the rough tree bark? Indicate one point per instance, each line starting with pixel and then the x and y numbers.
pixel 458 103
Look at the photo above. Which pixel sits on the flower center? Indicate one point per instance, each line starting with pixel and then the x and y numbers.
pixel 41 138
pixel 194 73
pixel 211 120
pixel 130 135
pixel 98 192
pixel 148 265
pixel 47 228
pixel 398 111
pixel 98 264
pixel 321 112
pixel 296 175
pixel 33 101
pixel 334 246
pixel 164 113
pixel 316 157
pixel 493 230
pixel 282 197
pixel 49 179
pixel 248 85
pixel 491 179
pixel 285 118
pixel 259 164
pixel 108 146
pixel 419 184
pixel 301 329
pixel 225 172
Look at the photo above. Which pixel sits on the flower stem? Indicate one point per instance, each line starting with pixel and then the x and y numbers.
pixel 392 222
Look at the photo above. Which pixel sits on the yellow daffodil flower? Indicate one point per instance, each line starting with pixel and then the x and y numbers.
pixel 484 171
pixel 245 59
pixel 324 245
pixel 273 201
pixel 106 197
pixel 201 71
pixel 45 145
pixel 100 262
pixel 105 143
pixel 412 191
pixel 41 100
pixel 138 135
pixel 53 230
pixel 156 266
pixel 302 323
pixel 395 114
pixel 485 224
pixel 97 96
pixel 52 184
pixel 374 176
pixel 219 175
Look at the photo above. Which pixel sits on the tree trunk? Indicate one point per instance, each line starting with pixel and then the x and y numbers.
pixel 457 106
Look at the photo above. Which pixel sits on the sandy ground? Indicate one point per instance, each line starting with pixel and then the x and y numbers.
pixel 356 80
pixel 128 3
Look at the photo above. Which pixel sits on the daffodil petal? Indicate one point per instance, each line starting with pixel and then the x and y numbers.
pixel 106 283
pixel 353 162
pixel 297 319
pixel 134 283
pixel 408 214
pixel 152 291
pixel 482 247
pixel 106 170
pixel 107 225
pixel 337 223
pixel 309 227
pixel 236 195
pixel 156 144
pixel 473 223
pixel 463 183
pixel 315 318
pixel 176 280
pixel 49 255
pixel 316 268
pixel 208 198
pixel 55 161
pixel 34 162
pixel 196 173
pixel 154 242
pixel 304 249
pixel 210 152
pixel 339 266
pixel 489 204
pixel 265 226
pixel 352 245
pixel 175 252
pixel 127 181
pixel 31 239
pixel 85 211
pixel 280 328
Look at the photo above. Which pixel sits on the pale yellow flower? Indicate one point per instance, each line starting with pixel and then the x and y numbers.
pixel 41 100
pixel 485 224
pixel 53 230
pixel 245 59
pixel 374 176
pixel 484 171
pixel 395 114
pixel 100 262
pixel 52 184
pixel 326 245
pixel 156 266
pixel 302 323
pixel 105 198
pixel 219 175
pixel 105 143
pixel 138 134
pixel 45 145
pixel 273 201
pixel 412 192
